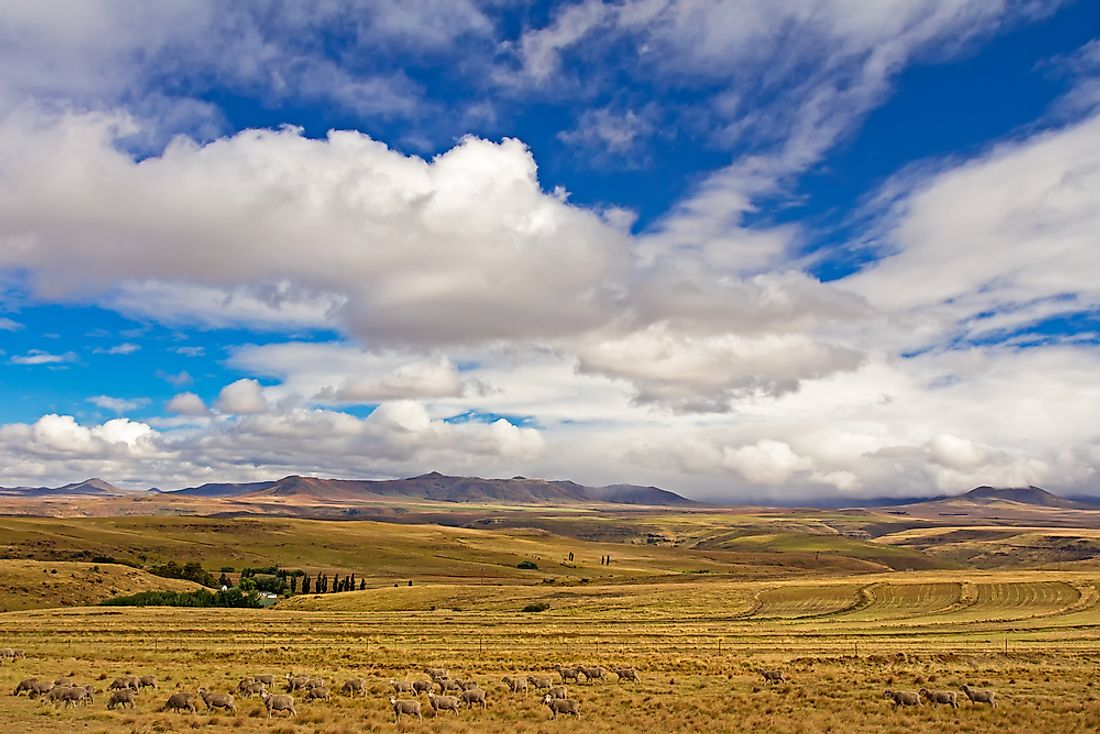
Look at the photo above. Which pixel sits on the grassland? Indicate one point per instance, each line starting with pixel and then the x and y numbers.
pixel 696 603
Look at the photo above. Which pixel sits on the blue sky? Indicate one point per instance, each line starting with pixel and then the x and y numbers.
pixel 743 251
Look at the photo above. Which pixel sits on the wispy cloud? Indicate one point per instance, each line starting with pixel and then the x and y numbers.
pixel 124 348
pixel 118 405
pixel 38 356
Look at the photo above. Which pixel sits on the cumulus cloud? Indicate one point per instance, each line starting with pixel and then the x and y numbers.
pixel 187 403
pixel 242 397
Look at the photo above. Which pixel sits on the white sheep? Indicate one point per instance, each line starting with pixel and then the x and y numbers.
pixel 402 707
pixel 568 706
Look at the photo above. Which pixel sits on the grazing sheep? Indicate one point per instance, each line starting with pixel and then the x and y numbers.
pixel 121 698
pixel 568 674
pixel 626 674
pixel 473 695
pixel 558 692
pixel 250 687
pixel 70 695
pixel 903 698
pixel 126 681
pixel 422 686
pixel 935 697
pixel 516 684
pixel 280 702
pixel 295 682
pixel 443 703
pixel 449 684
pixel 980 695
pixel 6 653
pixel 437 673
pixel 592 674
pixel 354 686
pixel 316 683
pixel 773 676
pixel 39 689
pixel 147 681
pixel 563 706
pixel 540 682
pixel 69 681
pixel 218 701
pixel 24 685
pixel 182 701
pixel 401 686
pixel 267 680
pixel 318 694
pixel 402 707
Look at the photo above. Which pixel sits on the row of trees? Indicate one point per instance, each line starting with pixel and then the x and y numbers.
pixel 235 598
pixel 323 584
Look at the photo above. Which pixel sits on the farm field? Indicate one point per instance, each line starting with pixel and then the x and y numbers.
pixel 846 604
pixel 696 645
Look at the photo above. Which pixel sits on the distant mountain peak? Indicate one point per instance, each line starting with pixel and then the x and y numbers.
pixel 1030 495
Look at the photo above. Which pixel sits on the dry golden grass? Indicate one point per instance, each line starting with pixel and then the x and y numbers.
pixel 838 657
pixel 41 584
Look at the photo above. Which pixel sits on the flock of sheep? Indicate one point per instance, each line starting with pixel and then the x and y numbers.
pixel 911 698
pixel 454 693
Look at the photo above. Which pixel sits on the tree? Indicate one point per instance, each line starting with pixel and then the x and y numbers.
pixel 305 584
pixel 224 581
pixel 293 584
pixel 362 584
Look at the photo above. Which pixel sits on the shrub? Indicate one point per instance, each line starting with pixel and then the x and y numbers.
pixel 541 606
pixel 199 598
pixel 530 565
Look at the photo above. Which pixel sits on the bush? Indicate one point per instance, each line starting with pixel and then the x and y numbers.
pixel 541 606
pixel 200 598
pixel 531 565
pixel 190 571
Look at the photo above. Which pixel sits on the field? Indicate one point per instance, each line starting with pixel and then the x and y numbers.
pixel 696 612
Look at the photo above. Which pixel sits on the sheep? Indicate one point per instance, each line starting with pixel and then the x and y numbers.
pixel 6 653
pixel 295 682
pixel 773 676
pixel 401 686
pixel 515 684
pixel 121 698
pixel 355 686
pixel 626 674
pixel 980 695
pixel 315 683
pixel 126 681
pixel 437 673
pixel 70 695
pixel 592 674
pixel 540 682
pixel 24 685
pixel 222 701
pixel 473 695
pixel 279 702
pixel 67 681
pixel 39 688
pixel 318 694
pixel 935 697
pixel 443 703
pixel 249 687
pixel 449 684
pixel 267 680
pixel 402 707
pixel 903 698
pixel 568 673
pixel 558 692
pixel 563 706
pixel 182 701
pixel 422 686
pixel 147 681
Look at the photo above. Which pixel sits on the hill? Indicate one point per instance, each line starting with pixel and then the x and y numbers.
pixel 92 486
pixel 27 584
pixel 439 488
pixel 1024 495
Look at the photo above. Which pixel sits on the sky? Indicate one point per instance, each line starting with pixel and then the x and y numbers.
pixel 803 250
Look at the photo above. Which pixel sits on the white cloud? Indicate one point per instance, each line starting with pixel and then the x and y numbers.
pixel 7 324
pixel 187 403
pixel 190 351
pixel 242 397
pixel 124 348
pixel 765 462
pixel 118 405
pixel 38 356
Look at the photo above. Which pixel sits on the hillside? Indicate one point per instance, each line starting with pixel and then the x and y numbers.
pixel 26 584
pixel 93 486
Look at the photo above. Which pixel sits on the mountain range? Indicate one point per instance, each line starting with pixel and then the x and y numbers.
pixel 516 490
